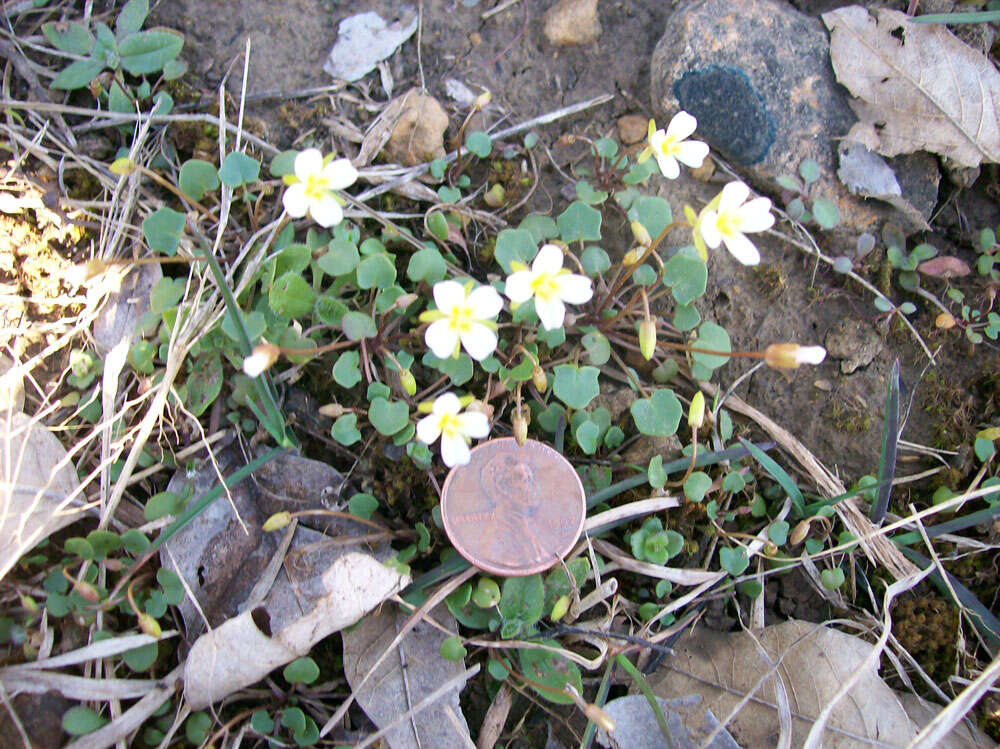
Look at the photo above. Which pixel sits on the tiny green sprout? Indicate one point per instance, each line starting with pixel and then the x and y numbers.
pixel 559 608
pixel 452 649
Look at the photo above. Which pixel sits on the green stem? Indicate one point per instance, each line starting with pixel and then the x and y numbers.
pixel 654 704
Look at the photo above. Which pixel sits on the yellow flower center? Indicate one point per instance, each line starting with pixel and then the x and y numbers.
pixel 460 317
pixel 668 145
pixel 450 426
pixel 316 186
pixel 544 286
pixel 727 224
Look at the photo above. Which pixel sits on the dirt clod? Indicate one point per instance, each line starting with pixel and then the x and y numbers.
pixel 418 134
pixel 572 22
pixel 632 128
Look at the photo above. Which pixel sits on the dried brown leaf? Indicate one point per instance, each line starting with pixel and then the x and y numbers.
pixel 37 479
pixel 918 87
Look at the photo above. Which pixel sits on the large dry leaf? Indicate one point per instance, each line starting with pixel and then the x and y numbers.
pixel 816 662
pixel 415 670
pixel 918 87
pixel 247 647
pixel 37 480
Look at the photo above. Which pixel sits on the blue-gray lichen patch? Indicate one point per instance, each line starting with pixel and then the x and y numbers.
pixel 731 114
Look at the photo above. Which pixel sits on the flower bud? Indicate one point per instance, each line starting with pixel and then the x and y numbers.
pixel 944 321
pixel 791 355
pixel 641 234
pixel 478 406
pixel 559 608
pixel 404 300
pixel 30 604
pixel 277 520
pixel 647 338
pixel 632 256
pixel 520 425
pixel 408 381
pixel 333 410
pixel 496 196
pixel 770 548
pixel 261 359
pixel 86 591
pixel 538 379
pixel 122 166
pixel 599 717
pixel 696 413
pixel 149 625
pixel 799 532
pixel 482 100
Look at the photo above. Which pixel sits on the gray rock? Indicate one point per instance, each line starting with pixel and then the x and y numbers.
pixel 757 76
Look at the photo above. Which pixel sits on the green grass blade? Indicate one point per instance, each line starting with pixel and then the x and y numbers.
pixel 778 474
pixel 950 526
pixel 890 444
pixel 654 703
pixel 978 16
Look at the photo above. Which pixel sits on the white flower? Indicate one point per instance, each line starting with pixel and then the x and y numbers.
pixel 464 317
pixel 455 429
pixel 311 189
pixel 550 284
pixel 260 359
pixel 671 146
pixel 732 218
pixel 792 356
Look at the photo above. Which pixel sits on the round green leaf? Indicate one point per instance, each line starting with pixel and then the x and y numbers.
pixel 713 338
pixel 686 317
pixel 301 671
pixel 734 561
pixel 148 51
pixel 358 325
pixel 658 415
pixel 438 224
pixel 376 272
pixel 204 384
pixel 141 658
pixel 514 244
pixel 174 69
pixel 197 177
pixel 552 670
pixel 522 599
pixel 826 213
pixel 598 348
pixel 810 171
pixel 576 386
pixel 778 532
pixel 81 720
pixel 239 169
pixel 283 163
pixel 345 430
pixel 832 579
pixel 579 222
pixel 426 265
pixel 686 274
pixel 587 435
pixel 135 541
pixel 539 226
pixel 197 726
pixel 388 417
pixel 340 258
pixel 162 504
pixel 77 75
pixel 452 649
pixel 291 296
pixel 71 37
pixel 652 212
pixel 165 294
pixel 479 143
pixel 362 505
pixel 594 260
pixel 346 371
pixel 696 485
pixel 79 547
pixel 261 722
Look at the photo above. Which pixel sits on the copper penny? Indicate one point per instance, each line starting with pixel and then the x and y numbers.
pixel 513 510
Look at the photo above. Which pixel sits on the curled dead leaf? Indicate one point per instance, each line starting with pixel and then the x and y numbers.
pixel 945 266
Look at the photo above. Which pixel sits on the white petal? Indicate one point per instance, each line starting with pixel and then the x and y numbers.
pixel 454 451
pixel 742 249
pixel 340 173
pixel 669 167
pixel 441 338
pixel 448 295
pixel 692 153
pixel 709 230
pixel 551 312
pixel 295 201
pixel 429 429
pixel 254 364
pixel 548 260
pixel 326 211
pixel 479 341
pixel 518 286
pixel 574 288
pixel 810 354
pixel 447 403
pixel 485 303
pixel 474 425
pixel 656 140
pixel 681 126
pixel 308 163
pixel 733 196
pixel 755 215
